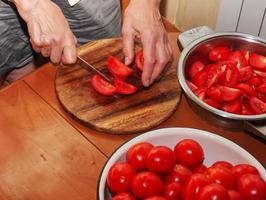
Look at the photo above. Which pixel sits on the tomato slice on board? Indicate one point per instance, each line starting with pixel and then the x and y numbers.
pixel 258 106
pixel 117 68
pixel 139 60
pixel 232 107
pixel 196 67
pixel 258 61
pixel 239 58
pixel 230 94
pixel 246 89
pixel 245 73
pixel 102 86
pixel 219 53
pixel 123 87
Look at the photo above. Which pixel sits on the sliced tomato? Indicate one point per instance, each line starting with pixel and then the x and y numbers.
pixel 230 76
pixel 232 107
pixel 192 86
pixel 245 73
pixel 254 81
pixel 246 54
pixel 258 106
pixel 195 68
pixel 139 60
pixel 246 89
pixel 213 103
pixel 258 61
pixel 230 94
pixel 123 87
pixel 246 109
pixel 219 53
pixel 261 88
pixel 215 93
pixel 102 86
pixel 239 58
pixel 200 93
pixel 262 96
pixel 261 75
pixel 200 79
pixel 117 68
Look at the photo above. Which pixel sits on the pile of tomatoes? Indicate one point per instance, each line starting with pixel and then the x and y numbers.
pixel 160 173
pixel 232 81
pixel 120 72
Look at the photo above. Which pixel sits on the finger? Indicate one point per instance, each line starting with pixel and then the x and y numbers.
pixel 46 51
pixel 35 48
pixel 128 46
pixel 69 55
pixel 35 34
pixel 56 54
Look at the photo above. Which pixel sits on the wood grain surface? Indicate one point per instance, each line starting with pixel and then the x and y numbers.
pixel 120 114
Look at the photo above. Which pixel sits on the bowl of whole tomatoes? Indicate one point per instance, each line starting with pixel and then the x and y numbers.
pixel 181 164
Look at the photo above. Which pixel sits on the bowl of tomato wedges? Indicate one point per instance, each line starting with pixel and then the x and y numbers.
pixel 225 73
pixel 181 164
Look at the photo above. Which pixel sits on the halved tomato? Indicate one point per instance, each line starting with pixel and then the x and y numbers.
pixel 245 73
pixel 123 87
pixel 238 57
pixel 258 106
pixel 196 67
pixel 232 106
pixel 219 53
pixel 102 86
pixel 117 68
pixel 230 94
pixel 139 60
pixel 258 61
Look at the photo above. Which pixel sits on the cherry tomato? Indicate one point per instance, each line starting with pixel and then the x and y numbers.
pixel 240 169
pixel 123 196
pixel 179 175
pixel 117 68
pixel 123 87
pixel 213 103
pixel 146 184
pixel 213 192
pixel 189 153
pixel 172 191
pixel 156 198
pixel 120 177
pixel 245 73
pixel 252 187
pixel 160 159
pixel 219 53
pixel 199 169
pixel 222 163
pixel 258 61
pixel 102 86
pixel 221 175
pixel 258 106
pixel 139 60
pixel 239 58
pixel 137 154
pixel 196 67
pixel 234 195
pixel 232 107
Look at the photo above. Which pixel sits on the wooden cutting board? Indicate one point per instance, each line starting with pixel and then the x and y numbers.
pixel 120 114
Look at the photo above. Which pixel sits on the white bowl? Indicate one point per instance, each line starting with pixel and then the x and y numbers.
pixel 215 148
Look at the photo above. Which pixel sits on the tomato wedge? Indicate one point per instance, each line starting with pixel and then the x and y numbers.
pixel 102 86
pixel 192 86
pixel 230 94
pixel 123 87
pixel 258 106
pixel 230 76
pixel 139 60
pixel 245 73
pixel 195 68
pixel 117 68
pixel 246 89
pixel 261 88
pixel 258 61
pixel 239 58
pixel 219 53
pixel 232 107
pixel 215 93
pixel 213 103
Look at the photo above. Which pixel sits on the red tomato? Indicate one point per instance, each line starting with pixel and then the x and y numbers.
pixel 123 196
pixel 239 58
pixel 245 73
pixel 246 54
pixel 200 93
pixel 200 79
pixel 172 191
pixel 246 109
pixel 258 61
pixel 246 89
pixel 213 192
pixel 120 177
pixel 139 60
pixel 213 103
pixel 160 159
pixel 230 76
pixel 137 154
pixel 102 86
pixel 252 187
pixel 221 175
pixel 123 87
pixel 261 88
pixel 179 175
pixel 232 107
pixel 258 106
pixel 192 86
pixel 117 68
pixel 146 184
pixel 222 163
pixel 193 186
pixel 196 67
pixel 254 81
pixel 219 53
pixel 262 96
pixel 155 198
pixel 200 168
pixel 189 153
pixel 230 94
pixel 215 93
pixel 240 169
pixel 234 195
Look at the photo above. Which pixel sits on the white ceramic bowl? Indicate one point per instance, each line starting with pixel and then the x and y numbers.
pixel 215 148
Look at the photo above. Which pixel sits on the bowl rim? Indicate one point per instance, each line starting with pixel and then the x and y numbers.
pixel 188 91
pixel 120 150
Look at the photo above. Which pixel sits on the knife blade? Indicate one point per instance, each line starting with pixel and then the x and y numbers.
pixel 94 69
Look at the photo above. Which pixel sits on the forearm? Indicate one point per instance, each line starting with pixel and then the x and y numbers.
pixel 151 3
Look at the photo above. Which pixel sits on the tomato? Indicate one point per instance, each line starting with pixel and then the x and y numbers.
pixel 230 76
pixel 258 106
pixel 172 191
pixel 139 60
pixel 239 58
pixel 215 93
pixel 196 67
pixel 261 88
pixel 156 198
pixel 254 81
pixel 200 79
pixel 189 153
pixel 123 87
pixel 252 187
pixel 222 163
pixel 120 177
pixel 230 94
pixel 219 53
pixel 246 54
pixel 221 175
pixel 136 155
pixel 146 184
pixel 123 196
pixel 102 86
pixel 246 109
pixel 199 169
pixel 240 169
pixel 193 186
pixel 213 192
pixel 117 68
pixel 232 107
pixel 160 159
pixel 213 103
pixel 179 175
pixel 192 86
pixel 258 61
pixel 234 195
pixel 246 89
pixel 245 73
pixel 262 96
pixel 200 93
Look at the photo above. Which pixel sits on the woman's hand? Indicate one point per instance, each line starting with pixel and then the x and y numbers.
pixel 143 20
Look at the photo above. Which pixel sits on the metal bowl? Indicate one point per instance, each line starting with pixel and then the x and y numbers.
pixel 199 49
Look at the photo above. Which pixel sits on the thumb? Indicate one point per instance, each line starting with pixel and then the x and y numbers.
pixel 128 46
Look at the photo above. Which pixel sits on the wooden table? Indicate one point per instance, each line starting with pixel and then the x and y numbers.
pixel 47 155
